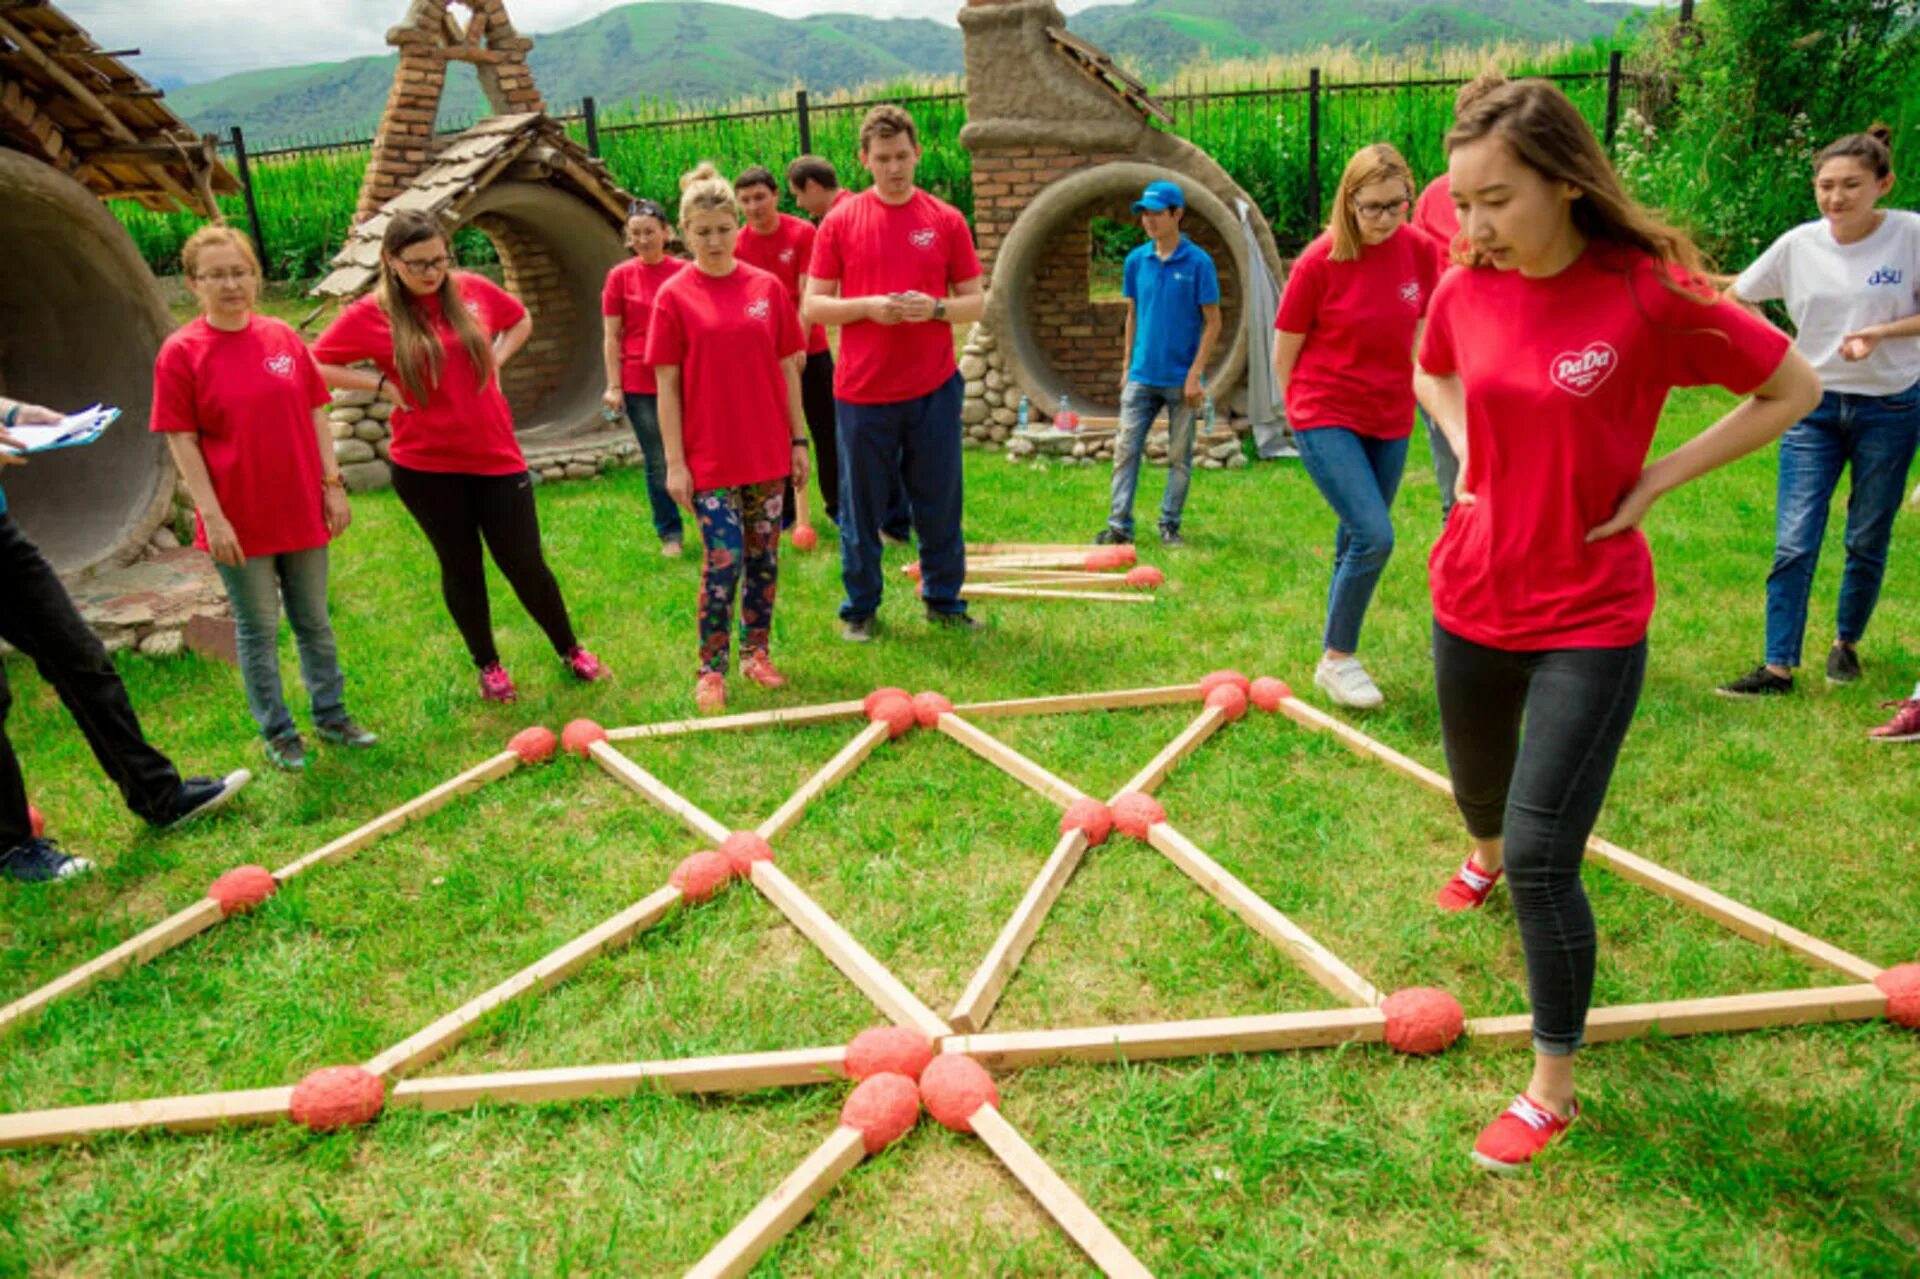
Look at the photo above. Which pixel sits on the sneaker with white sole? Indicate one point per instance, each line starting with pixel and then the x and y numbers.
pixel 1347 683
pixel 40 861
pixel 199 796
pixel 1522 1131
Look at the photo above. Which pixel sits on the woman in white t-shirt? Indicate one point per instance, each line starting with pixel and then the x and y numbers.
pixel 1851 283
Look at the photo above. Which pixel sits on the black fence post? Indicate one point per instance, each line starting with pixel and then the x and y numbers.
pixel 1313 149
pixel 1613 96
pixel 246 190
pixel 593 127
pixel 804 121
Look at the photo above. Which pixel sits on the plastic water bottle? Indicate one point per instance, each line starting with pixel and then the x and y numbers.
pixel 1066 419
pixel 1209 418
pixel 1026 411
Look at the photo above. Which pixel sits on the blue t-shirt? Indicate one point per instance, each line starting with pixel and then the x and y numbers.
pixel 1167 321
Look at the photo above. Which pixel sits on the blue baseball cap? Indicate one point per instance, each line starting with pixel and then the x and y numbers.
pixel 1159 196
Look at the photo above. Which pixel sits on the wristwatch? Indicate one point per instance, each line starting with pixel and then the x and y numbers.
pixel 939 308
pixel 800 441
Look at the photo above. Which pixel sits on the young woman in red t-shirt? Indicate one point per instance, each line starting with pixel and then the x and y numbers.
pixel 244 411
pixel 1343 354
pixel 627 305
pixel 723 342
pixel 438 338
pixel 1546 363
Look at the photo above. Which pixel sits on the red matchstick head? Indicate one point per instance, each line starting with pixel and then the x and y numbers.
pixel 954 1087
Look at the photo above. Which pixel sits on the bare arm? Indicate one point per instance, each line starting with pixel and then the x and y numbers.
pixel 335 492
pixel 1126 347
pixel 1859 344
pixel 824 305
pixel 796 426
pixel 192 463
pixel 342 377
pixel 1209 336
pixel 20 413
pixel 615 328
pixel 679 478
pixel 1286 354
pixel 508 341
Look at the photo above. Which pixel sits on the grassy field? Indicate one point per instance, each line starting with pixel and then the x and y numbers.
pixel 1780 1153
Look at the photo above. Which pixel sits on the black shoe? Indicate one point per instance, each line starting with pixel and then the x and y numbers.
pixel 1171 537
pixel 1759 682
pixel 1843 664
pixel 40 861
pixel 1107 537
pixel 344 732
pixel 954 621
pixel 199 796
pixel 857 630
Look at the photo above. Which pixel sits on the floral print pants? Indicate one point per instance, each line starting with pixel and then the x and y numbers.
pixel 741 530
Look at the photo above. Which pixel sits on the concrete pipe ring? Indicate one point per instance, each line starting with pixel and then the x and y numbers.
pixel 81 320
pixel 1021 252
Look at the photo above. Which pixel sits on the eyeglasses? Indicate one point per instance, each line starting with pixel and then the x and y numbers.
pixel 239 276
pixel 1371 210
pixel 426 266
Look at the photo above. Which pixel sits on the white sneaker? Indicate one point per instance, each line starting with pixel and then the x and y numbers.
pixel 1347 683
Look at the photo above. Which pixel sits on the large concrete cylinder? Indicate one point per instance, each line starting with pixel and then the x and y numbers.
pixel 81 320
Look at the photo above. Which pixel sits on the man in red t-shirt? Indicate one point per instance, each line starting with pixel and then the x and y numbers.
pixel 894 269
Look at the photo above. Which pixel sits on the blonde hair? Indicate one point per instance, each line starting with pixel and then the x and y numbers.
pixel 216 236
pixel 1380 162
pixel 416 347
pixel 705 189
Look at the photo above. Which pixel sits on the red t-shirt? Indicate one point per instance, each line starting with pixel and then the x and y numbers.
pixel 728 334
pixel 1565 378
pixel 463 428
pixel 872 247
pixel 1355 368
pixel 786 252
pixel 250 396
pixel 1434 213
pixel 629 294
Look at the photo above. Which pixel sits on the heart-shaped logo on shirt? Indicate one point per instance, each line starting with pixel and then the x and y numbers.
pixel 280 365
pixel 1582 372
pixel 923 238
pixel 759 310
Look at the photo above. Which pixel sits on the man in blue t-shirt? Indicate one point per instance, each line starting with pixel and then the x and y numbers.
pixel 1173 321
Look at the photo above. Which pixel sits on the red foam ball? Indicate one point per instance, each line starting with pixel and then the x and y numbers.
pixel 954 1087
pixel 867 702
pixel 882 1109
pixel 1422 1020
pixel 701 875
pixel 1090 815
pixel 1124 556
pixel 242 888
pixel 1134 812
pixel 1216 678
pixel 579 736
pixel 1146 577
pixel 36 822
pixel 888 1050
pixel 804 538
pixel 534 745
pixel 912 570
pixel 1901 985
pixel 1229 698
pixel 1267 693
pixel 929 707
pixel 896 712
pixel 337 1097
pixel 1107 557
pixel 743 848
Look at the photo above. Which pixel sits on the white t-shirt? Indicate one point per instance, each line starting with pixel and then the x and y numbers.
pixel 1833 289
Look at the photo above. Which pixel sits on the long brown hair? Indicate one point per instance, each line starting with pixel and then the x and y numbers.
pixel 1379 162
pixel 416 348
pixel 1549 135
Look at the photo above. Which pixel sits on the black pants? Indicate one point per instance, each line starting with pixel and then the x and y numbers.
pixel 1542 792
pixel 816 401
pixel 455 512
pixel 38 618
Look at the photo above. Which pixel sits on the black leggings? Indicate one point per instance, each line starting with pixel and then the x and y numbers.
pixel 816 402
pixel 455 511
pixel 1542 792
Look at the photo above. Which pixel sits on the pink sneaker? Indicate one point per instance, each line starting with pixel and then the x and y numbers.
pixel 1469 887
pixel 1523 1130
pixel 585 666
pixel 758 667
pixel 1903 727
pixel 710 693
pixel 496 685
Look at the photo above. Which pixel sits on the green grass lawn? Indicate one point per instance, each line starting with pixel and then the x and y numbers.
pixel 1776 1153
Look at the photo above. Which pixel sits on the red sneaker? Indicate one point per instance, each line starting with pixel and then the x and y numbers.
pixel 758 667
pixel 1523 1130
pixel 585 666
pixel 1469 887
pixel 1903 727
pixel 710 693
pixel 496 685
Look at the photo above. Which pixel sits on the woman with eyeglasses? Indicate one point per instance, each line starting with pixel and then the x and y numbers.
pixel 1343 353
pixel 626 304
pixel 438 338
pixel 243 409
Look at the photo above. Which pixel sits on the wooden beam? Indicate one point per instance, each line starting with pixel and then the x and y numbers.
pixel 983 549
pixel 52 69
pixel 977 1002
pixel 439 797
pixel 418 1049
pixel 1065 576
pixel 776 1215
pixel 1226 888
pixel 1209 1037
pixel 1210 721
pixel 1060 1200
pixel 658 793
pixel 1073 703
pixel 157 940
pixel 1072 558
pixel 1021 593
pixel 887 992
pixel 1314 718
pixel 1066 583
pixel 177 1114
pixel 741 1072
pixel 797 717
pixel 851 756
pixel 1010 761
pixel 1715 1015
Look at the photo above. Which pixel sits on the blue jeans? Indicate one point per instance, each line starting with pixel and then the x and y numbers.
pixel 257 588
pixel 917 441
pixel 643 411
pixel 1358 475
pixel 1139 406
pixel 1446 467
pixel 1875 435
